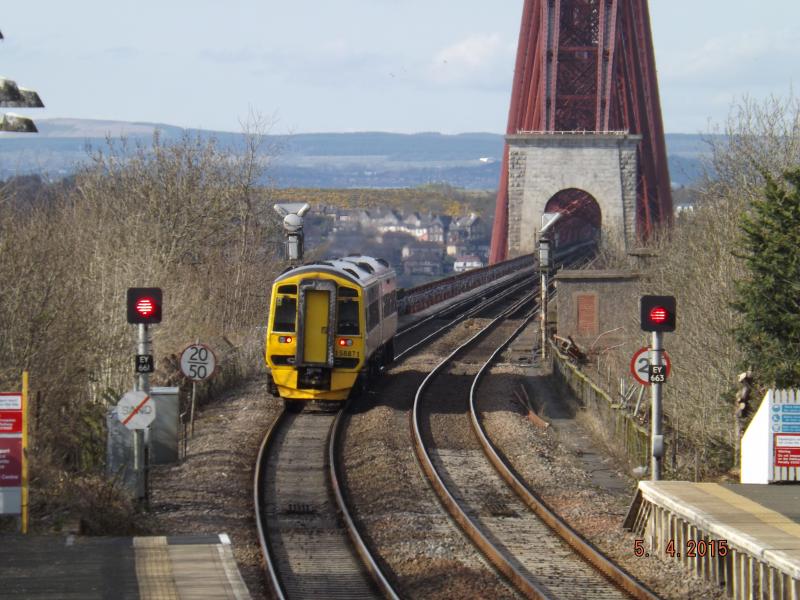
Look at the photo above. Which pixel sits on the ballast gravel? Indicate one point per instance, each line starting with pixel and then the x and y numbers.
pixel 210 492
pixel 553 469
pixel 399 515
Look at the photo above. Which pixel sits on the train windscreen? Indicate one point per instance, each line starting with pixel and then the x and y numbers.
pixel 285 315
pixel 347 317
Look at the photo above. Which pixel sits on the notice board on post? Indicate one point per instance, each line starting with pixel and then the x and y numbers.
pixel 11 449
pixel 771 444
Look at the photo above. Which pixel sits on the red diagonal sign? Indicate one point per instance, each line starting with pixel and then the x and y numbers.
pixel 135 410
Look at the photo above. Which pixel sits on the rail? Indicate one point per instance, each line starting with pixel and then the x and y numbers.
pixel 530 583
pixel 297 520
pixel 584 548
pixel 530 589
pixel 420 298
pixel 369 561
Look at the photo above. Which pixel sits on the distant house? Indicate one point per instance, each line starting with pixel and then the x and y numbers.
pixel 364 218
pixel 426 228
pixel 469 229
pixel 467 263
pixel 457 249
pixel 437 229
pixel 423 258
pixel 387 221
pixel 346 221
pixel 468 235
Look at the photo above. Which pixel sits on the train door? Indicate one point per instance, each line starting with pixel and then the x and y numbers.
pixel 315 334
pixel 317 311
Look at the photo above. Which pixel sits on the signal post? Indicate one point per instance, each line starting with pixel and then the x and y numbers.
pixel 144 307
pixel 657 315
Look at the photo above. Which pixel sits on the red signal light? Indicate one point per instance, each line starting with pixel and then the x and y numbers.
pixel 658 315
pixel 345 342
pixel 145 306
pixel 285 339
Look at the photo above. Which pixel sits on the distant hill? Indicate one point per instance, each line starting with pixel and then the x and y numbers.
pixel 326 160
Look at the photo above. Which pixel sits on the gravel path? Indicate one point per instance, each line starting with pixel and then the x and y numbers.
pixel 211 491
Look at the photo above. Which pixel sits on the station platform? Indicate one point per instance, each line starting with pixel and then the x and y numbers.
pixel 745 537
pixel 76 567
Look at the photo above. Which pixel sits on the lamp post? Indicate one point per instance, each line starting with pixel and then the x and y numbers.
pixel 544 267
pixel 293 213
pixel 548 220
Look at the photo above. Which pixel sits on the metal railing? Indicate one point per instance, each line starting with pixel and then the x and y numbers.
pixel 619 423
pixel 420 298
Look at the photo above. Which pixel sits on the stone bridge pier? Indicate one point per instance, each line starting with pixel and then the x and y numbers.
pixel 541 165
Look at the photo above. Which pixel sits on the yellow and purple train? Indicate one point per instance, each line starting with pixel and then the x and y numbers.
pixel 331 327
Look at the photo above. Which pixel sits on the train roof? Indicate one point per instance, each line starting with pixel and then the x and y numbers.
pixel 361 270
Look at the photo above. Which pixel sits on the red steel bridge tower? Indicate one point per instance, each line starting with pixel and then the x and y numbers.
pixel 588 66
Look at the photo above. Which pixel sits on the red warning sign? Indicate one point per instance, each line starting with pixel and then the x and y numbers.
pixel 10 421
pixel 10 462
pixel 787 450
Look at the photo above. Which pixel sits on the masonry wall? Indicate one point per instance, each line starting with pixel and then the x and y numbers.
pixel 541 165
pixel 615 294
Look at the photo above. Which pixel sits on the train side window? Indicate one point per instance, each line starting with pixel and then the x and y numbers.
pixel 347 318
pixel 287 289
pixel 389 303
pixel 285 314
pixel 346 292
pixel 373 315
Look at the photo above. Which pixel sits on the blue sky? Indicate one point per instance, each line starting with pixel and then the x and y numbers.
pixel 357 65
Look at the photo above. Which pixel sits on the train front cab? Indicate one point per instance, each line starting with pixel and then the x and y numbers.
pixel 315 343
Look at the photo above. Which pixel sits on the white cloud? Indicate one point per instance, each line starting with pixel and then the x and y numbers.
pixel 480 60
pixel 701 83
pixel 736 56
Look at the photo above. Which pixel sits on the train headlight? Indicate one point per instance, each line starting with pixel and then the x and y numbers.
pixel 285 339
pixel 344 342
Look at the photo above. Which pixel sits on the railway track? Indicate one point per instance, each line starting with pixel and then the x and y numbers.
pixel 306 541
pixel 536 551
pixel 422 332
pixel 311 546
pixel 463 304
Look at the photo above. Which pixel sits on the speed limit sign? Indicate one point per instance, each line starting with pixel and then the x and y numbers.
pixel 640 366
pixel 198 362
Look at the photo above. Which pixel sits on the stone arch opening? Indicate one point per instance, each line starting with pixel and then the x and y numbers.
pixel 582 218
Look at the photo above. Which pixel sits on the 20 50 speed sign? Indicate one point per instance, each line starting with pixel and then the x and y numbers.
pixel 198 362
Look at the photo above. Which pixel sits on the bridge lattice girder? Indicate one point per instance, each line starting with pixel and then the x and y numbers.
pixel 589 65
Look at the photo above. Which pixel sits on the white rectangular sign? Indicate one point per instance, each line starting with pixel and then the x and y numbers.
pixel 10 402
pixel 787 441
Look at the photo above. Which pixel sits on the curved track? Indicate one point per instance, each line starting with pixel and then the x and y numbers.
pixel 431 327
pixel 520 536
pixel 310 544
